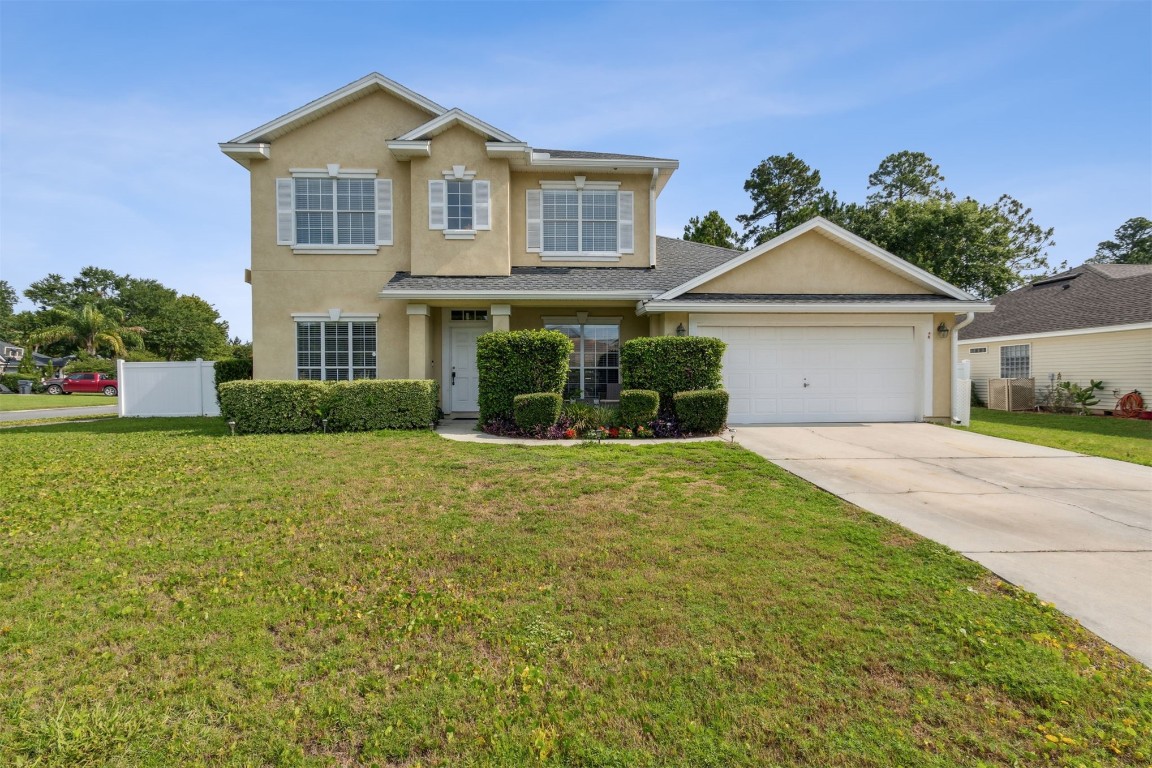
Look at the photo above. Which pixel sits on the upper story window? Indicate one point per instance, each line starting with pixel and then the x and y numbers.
pixel 320 211
pixel 581 220
pixel 460 204
pixel 335 211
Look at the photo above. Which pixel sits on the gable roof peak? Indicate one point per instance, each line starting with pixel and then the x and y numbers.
pixel 453 117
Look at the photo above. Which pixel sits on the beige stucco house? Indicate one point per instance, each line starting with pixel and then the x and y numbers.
pixel 1090 322
pixel 389 232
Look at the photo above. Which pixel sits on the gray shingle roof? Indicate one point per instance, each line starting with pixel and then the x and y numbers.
pixel 678 261
pixel 813 298
pixel 1089 296
pixel 577 154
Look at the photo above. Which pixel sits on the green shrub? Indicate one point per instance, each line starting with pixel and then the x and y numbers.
pixel 538 409
pixel 638 406
pixel 585 417
pixel 671 364
pixel 366 404
pixel 12 381
pixel 271 407
pixel 231 370
pixel 519 363
pixel 27 368
pixel 90 365
pixel 702 411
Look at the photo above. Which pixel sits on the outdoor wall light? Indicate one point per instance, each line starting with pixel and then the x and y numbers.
pixel 942 331
pixel 681 330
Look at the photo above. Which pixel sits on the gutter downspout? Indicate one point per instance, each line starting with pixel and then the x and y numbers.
pixel 968 318
pixel 652 218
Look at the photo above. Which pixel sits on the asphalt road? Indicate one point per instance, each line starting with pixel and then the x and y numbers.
pixel 48 413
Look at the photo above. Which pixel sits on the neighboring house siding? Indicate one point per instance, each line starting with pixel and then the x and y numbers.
pixel 1121 359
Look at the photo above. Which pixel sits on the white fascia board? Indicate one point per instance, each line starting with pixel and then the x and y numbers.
pixel 516 295
pixel 835 232
pixel 406 150
pixel 345 317
pixel 902 307
pixel 1057 334
pixel 244 153
pixel 457 116
pixel 599 163
pixel 510 150
pixel 375 80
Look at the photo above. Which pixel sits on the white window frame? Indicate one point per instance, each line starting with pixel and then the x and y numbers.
pixel 1027 357
pixel 350 321
pixel 481 193
pixel 584 322
pixel 625 220
pixel 286 210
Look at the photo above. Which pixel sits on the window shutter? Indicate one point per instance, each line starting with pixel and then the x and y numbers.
pixel 285 212
pixel 383 211
pixel 534 215
pixel 625 232
pixel 437 204
pixel 481 205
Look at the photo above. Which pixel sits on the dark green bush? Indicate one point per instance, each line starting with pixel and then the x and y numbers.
pixel 671 364
pixel 12 381
pixel 90 365
pixel 231 370
pixel 702 411
pixel 271 407
pixel 638 406
pixel 519 363
pixel 538 409
pixel 366 404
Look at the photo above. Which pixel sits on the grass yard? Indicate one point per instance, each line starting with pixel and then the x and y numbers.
pixel 35 402
pixel 1112 438
pixel 396 599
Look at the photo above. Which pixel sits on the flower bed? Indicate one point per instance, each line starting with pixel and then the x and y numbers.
pixel 569 428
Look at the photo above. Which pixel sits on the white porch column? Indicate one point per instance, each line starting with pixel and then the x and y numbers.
pixel 501 317
pixel 418 341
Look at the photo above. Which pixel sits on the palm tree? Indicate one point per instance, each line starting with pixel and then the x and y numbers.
pixel 90 328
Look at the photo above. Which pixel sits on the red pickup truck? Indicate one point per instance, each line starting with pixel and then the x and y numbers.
pixel 83 382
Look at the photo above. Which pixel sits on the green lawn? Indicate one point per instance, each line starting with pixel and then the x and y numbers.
pixel 1112 438
pixel 173 596
pixel 35 402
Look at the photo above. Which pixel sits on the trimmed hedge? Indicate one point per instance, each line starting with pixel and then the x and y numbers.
pixel 638 406
pixel 702 411
pixel 671 364
pixel 538 409
pixel 519 363
pixel 366 404
pixel 274 407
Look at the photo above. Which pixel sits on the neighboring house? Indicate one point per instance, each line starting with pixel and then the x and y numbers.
pixel 388 233
pixel 1091 322
pixel 10 357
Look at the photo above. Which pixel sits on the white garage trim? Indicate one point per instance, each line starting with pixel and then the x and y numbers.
pixel 921 329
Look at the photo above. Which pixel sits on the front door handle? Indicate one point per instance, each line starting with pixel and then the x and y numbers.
pixel 453 378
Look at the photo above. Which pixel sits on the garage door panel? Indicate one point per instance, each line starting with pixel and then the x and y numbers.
pixel 865 373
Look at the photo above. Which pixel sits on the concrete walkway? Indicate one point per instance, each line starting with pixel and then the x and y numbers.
pixel 1075 530
pixel 52 413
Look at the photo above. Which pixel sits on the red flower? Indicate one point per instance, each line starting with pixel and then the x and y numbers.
pixel 570 434
pixel 614 432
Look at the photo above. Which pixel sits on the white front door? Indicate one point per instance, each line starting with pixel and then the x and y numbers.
pixel 786 374
pixel 463 377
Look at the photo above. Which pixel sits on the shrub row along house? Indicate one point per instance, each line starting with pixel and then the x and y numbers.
pixel 389 233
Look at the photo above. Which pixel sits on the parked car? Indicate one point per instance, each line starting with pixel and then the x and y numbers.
pixel 92 383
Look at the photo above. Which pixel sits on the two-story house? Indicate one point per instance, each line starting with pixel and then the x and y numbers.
pixel 389 232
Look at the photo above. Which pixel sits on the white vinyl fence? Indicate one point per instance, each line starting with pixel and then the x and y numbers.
pixel 168 389
pixel 962 394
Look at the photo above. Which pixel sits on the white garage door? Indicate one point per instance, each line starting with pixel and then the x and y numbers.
pixel 783 374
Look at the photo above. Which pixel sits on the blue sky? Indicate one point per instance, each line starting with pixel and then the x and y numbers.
pixel 110 112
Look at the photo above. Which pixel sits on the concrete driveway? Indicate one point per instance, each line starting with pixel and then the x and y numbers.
pixel 1075 530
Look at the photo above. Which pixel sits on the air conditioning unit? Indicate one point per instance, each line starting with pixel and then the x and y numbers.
pixel 1011 394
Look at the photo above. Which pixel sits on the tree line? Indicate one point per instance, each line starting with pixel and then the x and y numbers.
pixel 102 313
pixel 985 248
